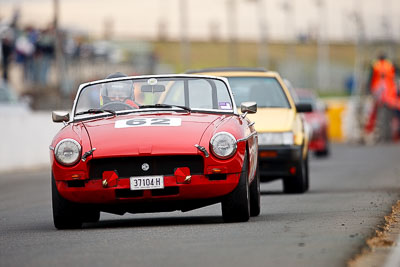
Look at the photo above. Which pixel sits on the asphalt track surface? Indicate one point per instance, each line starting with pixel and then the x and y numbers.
pixel 350 193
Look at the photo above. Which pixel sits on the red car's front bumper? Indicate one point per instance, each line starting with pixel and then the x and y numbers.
pixel 93 192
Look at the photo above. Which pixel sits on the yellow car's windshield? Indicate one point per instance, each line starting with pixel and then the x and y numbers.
pixel 266 91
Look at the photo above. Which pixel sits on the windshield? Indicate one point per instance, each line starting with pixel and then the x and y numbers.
pixel 265 91
pixel 307 100
pixel 187 94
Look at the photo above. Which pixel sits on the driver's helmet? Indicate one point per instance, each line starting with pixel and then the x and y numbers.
pixel 121 91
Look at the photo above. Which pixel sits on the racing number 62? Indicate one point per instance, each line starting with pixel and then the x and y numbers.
pixel 144 122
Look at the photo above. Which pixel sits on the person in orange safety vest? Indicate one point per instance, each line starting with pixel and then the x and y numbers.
pixel 382 85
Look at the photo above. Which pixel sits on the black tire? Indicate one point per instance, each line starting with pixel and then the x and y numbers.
pixel 91 216
pixel 322 153
pixel 255 198
pixel 307 175
pixel 300 182
pixel 66 215
pixel 236 205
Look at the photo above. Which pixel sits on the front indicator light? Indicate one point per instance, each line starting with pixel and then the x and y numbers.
pixel 216 170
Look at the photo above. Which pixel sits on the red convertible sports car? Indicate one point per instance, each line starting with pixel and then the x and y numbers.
pixel 318 122
pixel 151 144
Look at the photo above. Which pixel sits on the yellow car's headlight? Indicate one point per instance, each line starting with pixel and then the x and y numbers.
pixel 283 138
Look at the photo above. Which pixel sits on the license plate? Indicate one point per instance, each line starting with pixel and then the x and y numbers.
pixel 147 182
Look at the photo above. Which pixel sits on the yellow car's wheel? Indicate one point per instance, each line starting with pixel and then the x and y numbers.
pixel 300 182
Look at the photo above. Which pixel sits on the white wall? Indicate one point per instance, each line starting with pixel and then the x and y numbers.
pixel 25 138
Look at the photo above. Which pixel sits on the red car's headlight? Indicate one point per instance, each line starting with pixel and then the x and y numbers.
pixel 223 145
pixel 67 152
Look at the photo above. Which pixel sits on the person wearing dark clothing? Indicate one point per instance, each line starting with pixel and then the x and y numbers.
pixel 7 48
pixel 45 54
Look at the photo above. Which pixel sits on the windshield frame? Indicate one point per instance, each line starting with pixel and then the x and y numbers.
pixel 157 110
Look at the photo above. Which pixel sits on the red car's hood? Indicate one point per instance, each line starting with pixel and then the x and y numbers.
pixel 145 134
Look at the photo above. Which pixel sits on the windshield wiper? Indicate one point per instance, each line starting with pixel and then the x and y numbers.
pixel 96 111
pixel 165 106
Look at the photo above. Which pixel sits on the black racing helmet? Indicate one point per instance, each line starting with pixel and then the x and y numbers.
pixel 120 89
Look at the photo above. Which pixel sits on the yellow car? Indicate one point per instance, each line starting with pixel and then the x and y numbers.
pixel 282 140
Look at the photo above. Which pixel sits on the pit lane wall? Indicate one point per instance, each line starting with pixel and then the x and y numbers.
pixel 25 139
pixel 26 136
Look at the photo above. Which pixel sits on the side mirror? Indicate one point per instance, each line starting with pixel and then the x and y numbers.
pixel 304 107
pixel 248 107
pixel 60 116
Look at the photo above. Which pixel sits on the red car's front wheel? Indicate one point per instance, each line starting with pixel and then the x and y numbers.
pixel 69 215
pixel 236 206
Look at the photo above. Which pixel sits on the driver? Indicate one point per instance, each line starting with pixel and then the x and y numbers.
pixel 118 91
